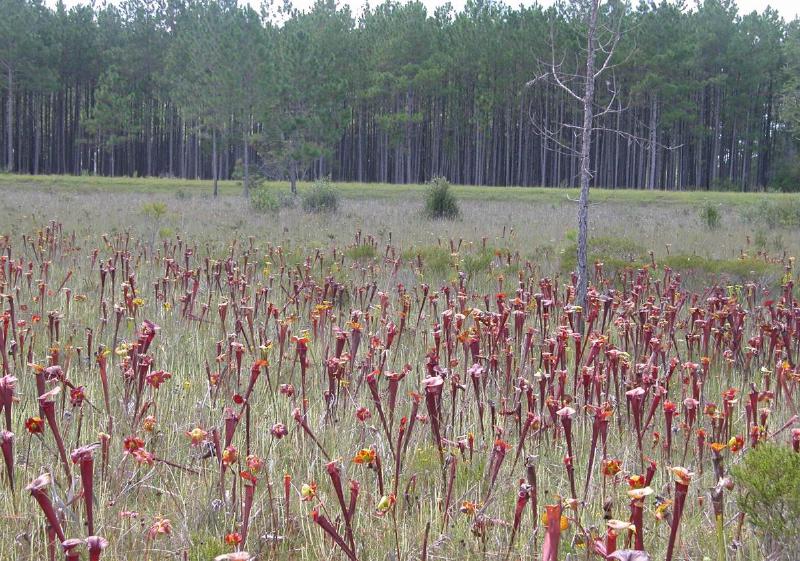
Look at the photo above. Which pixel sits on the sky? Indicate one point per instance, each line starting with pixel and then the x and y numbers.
pixel 789 9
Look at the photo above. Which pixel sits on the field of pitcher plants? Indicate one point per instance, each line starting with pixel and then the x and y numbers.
pixel 167 399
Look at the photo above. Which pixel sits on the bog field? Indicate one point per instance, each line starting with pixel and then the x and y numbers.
pixel 188 378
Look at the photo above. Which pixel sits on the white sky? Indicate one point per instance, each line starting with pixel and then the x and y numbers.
pixel 789 9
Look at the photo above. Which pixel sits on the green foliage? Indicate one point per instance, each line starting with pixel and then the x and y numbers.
pixel 477 262
pixel 155 210
pixel 440 202
pixel 434 259
pixel 363 251
pixel 710 216
pixel 768 492
pixel 320 197
pixel 262 199
pixel 773 213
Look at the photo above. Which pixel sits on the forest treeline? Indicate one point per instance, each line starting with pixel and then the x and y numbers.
pixel 693 98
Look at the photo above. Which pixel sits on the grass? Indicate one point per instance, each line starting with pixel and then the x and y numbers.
pixel 505 239
pixel 390 191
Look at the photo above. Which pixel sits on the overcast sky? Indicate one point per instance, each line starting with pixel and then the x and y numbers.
pixel 789 9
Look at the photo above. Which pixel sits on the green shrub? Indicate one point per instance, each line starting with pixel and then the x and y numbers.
pixel 262 199
pixel 768 492
pixel 440 201
pixel 321 197
pixel 710 216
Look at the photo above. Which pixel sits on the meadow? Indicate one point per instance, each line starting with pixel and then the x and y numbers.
pixel 185 377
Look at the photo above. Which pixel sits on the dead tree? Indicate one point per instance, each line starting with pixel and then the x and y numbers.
pixel 581 87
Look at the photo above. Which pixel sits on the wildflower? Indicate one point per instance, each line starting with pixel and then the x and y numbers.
pixel 34 425
pixel 156 378
pixel 254 463
pixel 364 456
pixel 610 467
pixel 230 455
pixel 197 436
pixel 233 539
pixel 77 396
pixel 736 443
pixel 279 430
pixel 385 504
pixel 161 527
pixel 363 414
pixel 131 444
pixel 143 457
pixel 149 423
pixel 469 508
pixel 308 491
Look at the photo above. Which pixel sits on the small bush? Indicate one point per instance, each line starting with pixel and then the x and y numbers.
pixel 768 482
pixel 440 201
pixel 263 200
pixel 710 216
pixel 321 197
pixel 154 210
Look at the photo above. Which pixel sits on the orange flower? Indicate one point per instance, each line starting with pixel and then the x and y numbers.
pixel 230 455
pixel 469 508
pixel 364 456
pixel 197 436
pixel 233 539
pixel 149 423
pixel 718 446
pixel 610 467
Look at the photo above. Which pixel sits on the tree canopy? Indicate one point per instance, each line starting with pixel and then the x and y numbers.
pixel 704 98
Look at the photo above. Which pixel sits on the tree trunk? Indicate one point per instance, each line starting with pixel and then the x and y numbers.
pixel 293 176
pixel 651 178
pixel 586 145
pixel 246 165
pixel 10 122
pixel 214 164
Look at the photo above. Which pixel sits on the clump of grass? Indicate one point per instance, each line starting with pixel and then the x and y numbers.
pixel 262 199
pixel 321 197
pixel 478 262
pixel 710 216
pixel 615 253
pixel 737 268
pixel 440 202
pixel 155 210
pixel 363 251
pixel 768 481
pixel 435 259
pixel 773 213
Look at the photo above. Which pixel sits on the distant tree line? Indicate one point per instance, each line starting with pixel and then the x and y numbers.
pixel 696 98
